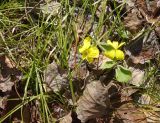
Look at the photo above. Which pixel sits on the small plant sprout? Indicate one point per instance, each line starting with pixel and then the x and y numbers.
pixel 112 50
pixel 89 51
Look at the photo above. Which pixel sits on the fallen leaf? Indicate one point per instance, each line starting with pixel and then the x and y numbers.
pixel 3 103
pixel 152 116
pixel 142 6
pixel 145 99
pixel 55 79
pixel 128 113
pixel 157 29
pixel 140 13
pixel 137 76
pixel 9 74
pixel 143 48
pixel 150 14
pixel 132 22
pixel 150 107
pixel 6 85
pixel 66 119
pixel 127 92
pixel 94 101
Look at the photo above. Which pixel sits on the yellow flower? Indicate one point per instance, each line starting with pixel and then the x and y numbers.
pixel 86 44
pixel 113 52
pixel 88 51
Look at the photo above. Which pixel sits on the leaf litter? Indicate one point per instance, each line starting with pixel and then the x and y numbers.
pixel 9 76
pixel 101 97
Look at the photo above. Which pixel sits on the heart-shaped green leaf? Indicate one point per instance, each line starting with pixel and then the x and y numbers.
pixel 107 65
pixel 123 74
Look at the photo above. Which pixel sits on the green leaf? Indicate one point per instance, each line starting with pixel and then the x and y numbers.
pixel 123 74
pixel 107 65
pixel 105 47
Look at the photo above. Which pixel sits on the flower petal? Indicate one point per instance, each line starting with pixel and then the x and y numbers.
pixel 110 54
pixel 109 42
pixel 86 44
pixel 121 44
pixel 119 55
pixel 114 44
pixel 84 55
pixel 93 52
pixel 90 60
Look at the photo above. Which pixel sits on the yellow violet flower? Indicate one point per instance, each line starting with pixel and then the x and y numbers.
pixel 86 44
pixel 88 51
pixel 113 52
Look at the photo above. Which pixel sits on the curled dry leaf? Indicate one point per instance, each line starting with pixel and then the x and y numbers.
pixel 66 119
pixel 3 103
pixel 137 76
pixel 55 79
pixel 133 22
pixel 145 99
pixel 143 48
pixel 127 92
pixel 9 74
pixel 140 12
pixel 149 10
pixel 94 101
pixel 6 85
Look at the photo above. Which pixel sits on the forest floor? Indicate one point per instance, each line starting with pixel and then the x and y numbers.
pixel 80 61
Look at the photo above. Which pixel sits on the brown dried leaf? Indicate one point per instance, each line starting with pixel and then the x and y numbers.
pixel 133 22
pixel 126 93
pixel 54 78
pixel 142 6
pixel 3 102
pixel 152 116
pixel 66 119
pixel 94 101
pixel 145 99
pixel 149 9
pixel 141 12
pixel 157 29
pixel 9 74
pixel 137 76
pixel 152 111
pixel 128 113
pixel 143 48
pixel 6 85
